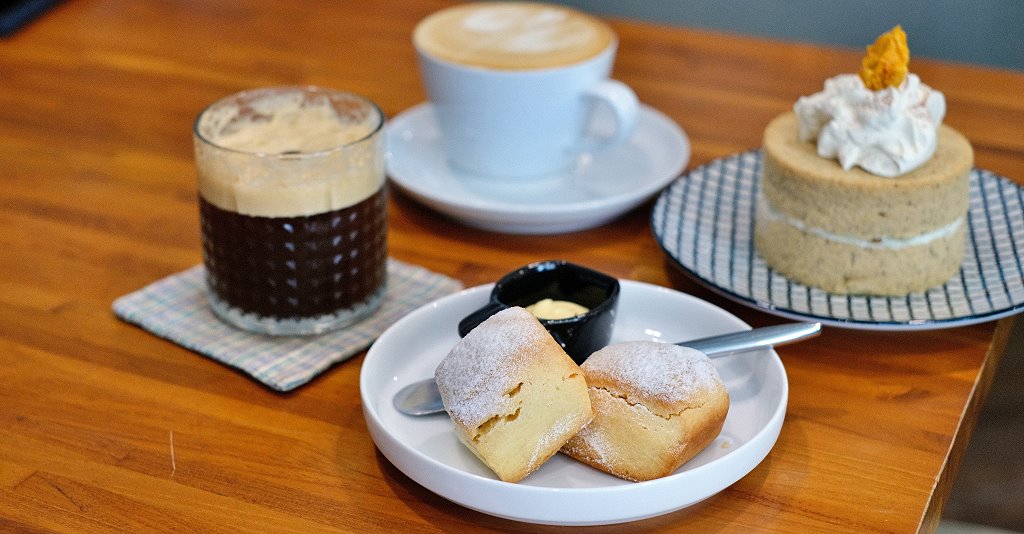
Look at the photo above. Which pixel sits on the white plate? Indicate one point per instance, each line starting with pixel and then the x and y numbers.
pixel 598 188
pixel 563 491
pixel 704 221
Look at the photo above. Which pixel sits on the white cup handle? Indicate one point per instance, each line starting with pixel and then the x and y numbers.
pixel 618 98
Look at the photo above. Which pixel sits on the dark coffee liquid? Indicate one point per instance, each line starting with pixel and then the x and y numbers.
pixel 296 267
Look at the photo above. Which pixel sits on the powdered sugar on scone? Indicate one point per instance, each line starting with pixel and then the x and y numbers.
pixel 514 396
pixel 658 375
pixel 475 379
pixel 655 407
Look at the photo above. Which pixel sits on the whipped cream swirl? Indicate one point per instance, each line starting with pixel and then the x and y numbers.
pixel 887 133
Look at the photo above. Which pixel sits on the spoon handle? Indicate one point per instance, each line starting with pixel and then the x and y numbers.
pixel 768 336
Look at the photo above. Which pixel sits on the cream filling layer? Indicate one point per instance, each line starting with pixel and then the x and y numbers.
pixel 767 212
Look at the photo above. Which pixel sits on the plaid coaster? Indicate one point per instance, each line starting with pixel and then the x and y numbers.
pixel 176 308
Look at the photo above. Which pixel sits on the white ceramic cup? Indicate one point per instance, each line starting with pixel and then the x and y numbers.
pixel 522 122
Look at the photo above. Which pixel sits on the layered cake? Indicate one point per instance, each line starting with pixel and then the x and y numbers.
pixel 514 396
pixel 655 405
pixel 863 190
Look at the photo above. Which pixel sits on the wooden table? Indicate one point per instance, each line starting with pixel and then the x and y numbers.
pixel 97 199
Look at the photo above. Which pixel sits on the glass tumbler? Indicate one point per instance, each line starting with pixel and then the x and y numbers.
pixel 293 208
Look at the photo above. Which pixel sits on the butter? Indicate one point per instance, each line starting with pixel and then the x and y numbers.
pixel 555 309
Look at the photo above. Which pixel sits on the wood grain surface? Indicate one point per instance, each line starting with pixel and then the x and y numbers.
pixel 105 427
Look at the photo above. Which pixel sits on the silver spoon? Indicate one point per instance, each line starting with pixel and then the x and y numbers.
pixel 423 398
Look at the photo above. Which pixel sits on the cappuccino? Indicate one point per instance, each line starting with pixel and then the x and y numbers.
pixel 512 36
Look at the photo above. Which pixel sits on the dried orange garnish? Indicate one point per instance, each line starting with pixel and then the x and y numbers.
pixel 885 64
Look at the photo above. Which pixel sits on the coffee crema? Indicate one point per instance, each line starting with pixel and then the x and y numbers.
pixel 512 35
pixel 289 153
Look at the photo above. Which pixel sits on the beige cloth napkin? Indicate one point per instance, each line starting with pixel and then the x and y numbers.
pixel 176 308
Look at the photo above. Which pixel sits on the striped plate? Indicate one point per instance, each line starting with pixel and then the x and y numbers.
pixel 704 221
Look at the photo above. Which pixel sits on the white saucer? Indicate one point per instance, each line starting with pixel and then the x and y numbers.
pixel 598 188
pixel 564 491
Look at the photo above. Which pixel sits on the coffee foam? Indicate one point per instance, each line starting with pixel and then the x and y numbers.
pixel 289 154
pixel 512 35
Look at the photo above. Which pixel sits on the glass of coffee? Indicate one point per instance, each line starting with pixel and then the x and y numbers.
pixel 293 208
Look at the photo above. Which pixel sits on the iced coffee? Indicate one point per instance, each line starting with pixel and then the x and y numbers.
pixel 292 208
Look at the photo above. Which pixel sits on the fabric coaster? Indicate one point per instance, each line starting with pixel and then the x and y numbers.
pixel 176 308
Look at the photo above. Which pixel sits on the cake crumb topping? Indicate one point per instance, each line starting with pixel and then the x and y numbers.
pixel 887 61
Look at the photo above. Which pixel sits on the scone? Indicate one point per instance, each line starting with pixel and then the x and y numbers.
pixel 656 406
pixel 514 396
